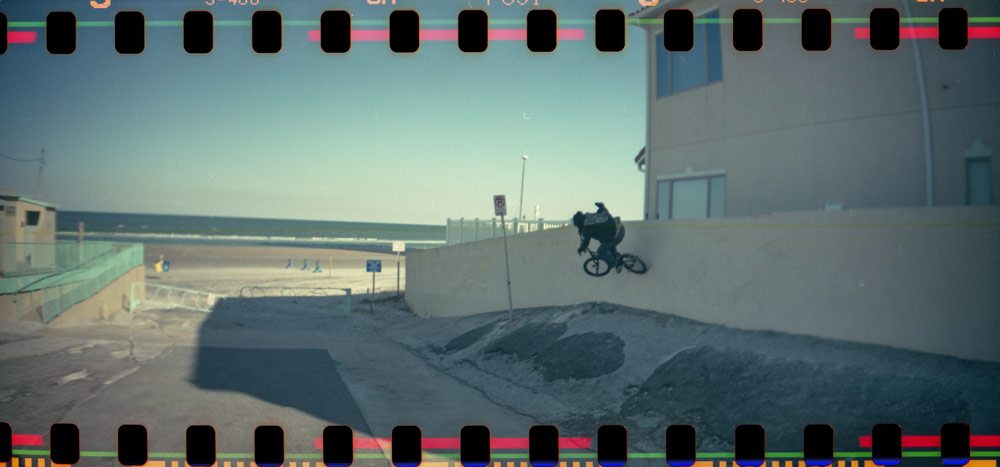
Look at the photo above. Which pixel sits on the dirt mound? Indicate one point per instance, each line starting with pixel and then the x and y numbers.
pixel 526 342
pixel 586 365
pixel 468 338
pixel 715 390
pixel 578 356
pixel 582 356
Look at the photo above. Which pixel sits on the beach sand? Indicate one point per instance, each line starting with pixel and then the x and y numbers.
pixel 227 269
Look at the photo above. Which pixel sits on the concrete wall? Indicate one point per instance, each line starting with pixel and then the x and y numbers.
pixel 917 278
pixel 794 130
pixel 110 299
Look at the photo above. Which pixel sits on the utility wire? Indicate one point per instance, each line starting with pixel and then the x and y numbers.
pixel 18 159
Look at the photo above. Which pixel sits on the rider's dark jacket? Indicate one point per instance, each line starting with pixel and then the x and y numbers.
pixel 598 225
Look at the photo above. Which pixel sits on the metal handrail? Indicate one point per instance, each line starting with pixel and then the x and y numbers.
pixel 163 295
pixel 483 229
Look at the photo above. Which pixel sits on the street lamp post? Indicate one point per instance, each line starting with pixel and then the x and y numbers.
pixel 520 203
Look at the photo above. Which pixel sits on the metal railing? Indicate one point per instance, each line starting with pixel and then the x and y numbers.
pixel 95 268
pixel 169 297
pixel 470 230
pixel 23 258
pixel 158 296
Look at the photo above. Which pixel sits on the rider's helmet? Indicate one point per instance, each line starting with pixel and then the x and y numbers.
pixel 578 219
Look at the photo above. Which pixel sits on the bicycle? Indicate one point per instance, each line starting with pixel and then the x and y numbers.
pixel 597 267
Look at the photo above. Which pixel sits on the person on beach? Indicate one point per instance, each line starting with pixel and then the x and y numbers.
pixel 604 228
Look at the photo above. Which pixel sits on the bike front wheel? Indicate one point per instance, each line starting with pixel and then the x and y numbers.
pixel 595 267
pixel 633 263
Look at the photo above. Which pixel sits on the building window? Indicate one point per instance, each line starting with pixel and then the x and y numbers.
pixel 978 181
pixel 680 71
pixel 663 199
pixel 31 217
pixel 691 197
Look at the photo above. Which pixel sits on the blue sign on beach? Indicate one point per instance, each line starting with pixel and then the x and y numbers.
pixel 373 265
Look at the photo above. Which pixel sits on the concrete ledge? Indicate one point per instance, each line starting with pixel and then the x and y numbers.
pixel 916 278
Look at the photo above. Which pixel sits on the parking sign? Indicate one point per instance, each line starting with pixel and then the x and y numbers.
pixel 500 205
pixel 373 265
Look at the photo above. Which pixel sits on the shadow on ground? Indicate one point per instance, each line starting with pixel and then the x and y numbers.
pixel 260 347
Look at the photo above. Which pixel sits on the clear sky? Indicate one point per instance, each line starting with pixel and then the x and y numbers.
pixel 367 136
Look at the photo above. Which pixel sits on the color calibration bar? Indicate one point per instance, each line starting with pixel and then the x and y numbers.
pixel 520 34
pixel 29 461
pixel 914 446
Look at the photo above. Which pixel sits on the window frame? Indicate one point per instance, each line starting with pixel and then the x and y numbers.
pixel 708 176
pixel 658 43
pixel 27 218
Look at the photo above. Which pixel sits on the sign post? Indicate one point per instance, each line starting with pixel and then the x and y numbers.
pixel 398 247
pixel 373 266
pixel 500 209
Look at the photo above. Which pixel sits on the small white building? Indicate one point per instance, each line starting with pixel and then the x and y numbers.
pixel 25 221
pixel 784 129
pixel 42 279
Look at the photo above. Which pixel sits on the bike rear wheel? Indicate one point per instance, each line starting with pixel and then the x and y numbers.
pixel 595 267
pixel 633 263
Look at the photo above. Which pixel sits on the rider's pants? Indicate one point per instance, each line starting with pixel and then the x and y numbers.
pixel 607 253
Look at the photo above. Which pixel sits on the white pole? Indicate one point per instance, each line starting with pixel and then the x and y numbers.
pixel 520 203
pixel 925 117
pixel 510 300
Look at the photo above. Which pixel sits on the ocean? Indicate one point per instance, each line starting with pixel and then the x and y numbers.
pixel 155 228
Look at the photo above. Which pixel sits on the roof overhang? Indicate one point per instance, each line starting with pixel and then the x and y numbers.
pixel 16 197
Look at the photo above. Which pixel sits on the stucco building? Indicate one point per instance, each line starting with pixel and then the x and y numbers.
pixel 784 129
pixel 25 221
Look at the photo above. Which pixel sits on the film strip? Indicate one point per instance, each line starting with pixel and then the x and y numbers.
pixel 886 446
pixel 685 102
pixel 542 32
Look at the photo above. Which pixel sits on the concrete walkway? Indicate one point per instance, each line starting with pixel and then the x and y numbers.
pixel 247 364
